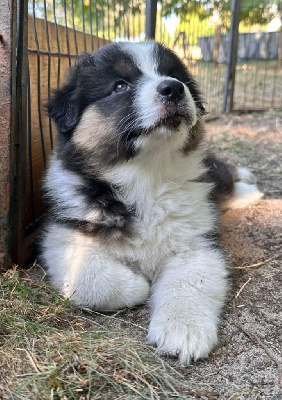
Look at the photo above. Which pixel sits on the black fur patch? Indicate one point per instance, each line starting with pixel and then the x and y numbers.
pixel 104 232
pixel 113 216
pixel 93 81
pixel 195 137
pixel 219 174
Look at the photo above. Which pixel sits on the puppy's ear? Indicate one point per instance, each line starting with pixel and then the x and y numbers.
pixel 63 107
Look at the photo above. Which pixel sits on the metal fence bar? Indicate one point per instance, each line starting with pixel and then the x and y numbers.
pixel 53 53
pixel 49 70
pixel 83 26
pixel 38 87
pixel 73 26
pixel 18 251
pixel 102 17
pixel 97 24
pixel 30 163
pixel 7 101
pixel 231 68
pixel 66 30
pixel 91 23
pixel 58 44
pixel 151 16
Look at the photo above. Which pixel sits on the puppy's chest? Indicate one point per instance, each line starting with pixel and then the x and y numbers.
pixel 159 215
pixel 166 222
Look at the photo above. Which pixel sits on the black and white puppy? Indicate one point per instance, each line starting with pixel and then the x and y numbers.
pixel 130 210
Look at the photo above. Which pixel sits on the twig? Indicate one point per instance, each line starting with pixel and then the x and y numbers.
pixel 203 394
pixel 258 264
pixel 100 314
pixel 32 359
pixel 254 338
pixel 241 288
pixel 236 394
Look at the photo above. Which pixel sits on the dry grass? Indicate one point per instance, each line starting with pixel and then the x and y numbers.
pixel 51 350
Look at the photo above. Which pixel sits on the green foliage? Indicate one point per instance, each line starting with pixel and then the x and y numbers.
pixel 194 27
pixel 20 288
pixel 104 18
pixel 251 12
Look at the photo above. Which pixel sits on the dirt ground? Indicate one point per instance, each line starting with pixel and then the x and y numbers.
pixel 247 363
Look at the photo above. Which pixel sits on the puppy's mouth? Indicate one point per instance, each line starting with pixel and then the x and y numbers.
pixel 172 119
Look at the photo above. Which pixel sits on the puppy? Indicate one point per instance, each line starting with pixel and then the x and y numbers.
pixel 130 192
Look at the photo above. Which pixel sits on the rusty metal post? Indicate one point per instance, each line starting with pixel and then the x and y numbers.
pixel 19 133
pixel 13 116
pixel 6 56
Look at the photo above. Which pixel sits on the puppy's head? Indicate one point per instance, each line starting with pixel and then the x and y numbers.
pixel 123 97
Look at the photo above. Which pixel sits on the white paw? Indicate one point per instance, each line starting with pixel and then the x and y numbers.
pixel 183 339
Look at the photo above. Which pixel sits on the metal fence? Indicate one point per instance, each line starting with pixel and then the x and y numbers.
pixel 49 34
pixel 204 32
pixel 258 84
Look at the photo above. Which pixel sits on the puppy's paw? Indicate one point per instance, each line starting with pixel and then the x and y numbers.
pixel 183 339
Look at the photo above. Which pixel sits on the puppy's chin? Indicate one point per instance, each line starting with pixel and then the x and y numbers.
pixel 170 123
pixel 168 117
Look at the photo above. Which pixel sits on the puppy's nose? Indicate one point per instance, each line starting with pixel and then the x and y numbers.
pixel 171 90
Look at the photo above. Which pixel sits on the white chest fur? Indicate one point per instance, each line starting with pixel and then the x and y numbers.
pixel 172 210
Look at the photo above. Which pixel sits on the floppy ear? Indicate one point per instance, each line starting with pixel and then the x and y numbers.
pixel 64 106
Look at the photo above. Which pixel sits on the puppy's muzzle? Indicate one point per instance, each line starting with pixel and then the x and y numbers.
pixel 171 91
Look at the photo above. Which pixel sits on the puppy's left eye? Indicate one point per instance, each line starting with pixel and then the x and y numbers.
pixel 121 87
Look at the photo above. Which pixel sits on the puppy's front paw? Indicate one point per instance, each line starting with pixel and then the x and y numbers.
pixel 184 339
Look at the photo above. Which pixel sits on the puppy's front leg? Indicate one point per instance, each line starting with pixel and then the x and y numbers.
pixel 187 299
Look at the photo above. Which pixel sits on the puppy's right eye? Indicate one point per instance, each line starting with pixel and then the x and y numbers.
pixel 121 87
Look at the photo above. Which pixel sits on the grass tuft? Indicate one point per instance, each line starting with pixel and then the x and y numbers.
pixel 49 350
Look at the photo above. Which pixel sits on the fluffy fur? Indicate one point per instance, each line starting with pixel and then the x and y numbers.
pixel 130 188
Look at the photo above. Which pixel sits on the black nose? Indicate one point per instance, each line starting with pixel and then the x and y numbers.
pixel 171 90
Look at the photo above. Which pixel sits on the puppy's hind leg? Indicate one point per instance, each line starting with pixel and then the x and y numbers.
pixel 87 274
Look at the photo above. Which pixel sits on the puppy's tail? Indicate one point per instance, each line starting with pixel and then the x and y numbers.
pixel 245 190
pixel 234 187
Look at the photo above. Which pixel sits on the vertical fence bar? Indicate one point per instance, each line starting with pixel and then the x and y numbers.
pixel 151 16
pixel 20 253
pixel 39 86
pixel 280 35
pixel 232 61
pixel 7 53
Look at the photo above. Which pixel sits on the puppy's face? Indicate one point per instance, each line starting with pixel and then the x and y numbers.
pixel 123 98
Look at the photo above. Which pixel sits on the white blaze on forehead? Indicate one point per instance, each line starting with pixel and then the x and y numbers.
pixel 149 107
pixel 144 56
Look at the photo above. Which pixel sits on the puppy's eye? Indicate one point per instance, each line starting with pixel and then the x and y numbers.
pixel 121 87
